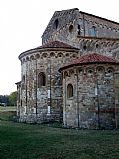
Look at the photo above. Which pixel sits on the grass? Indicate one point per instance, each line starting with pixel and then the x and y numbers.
pixel 7 108
pixel 7 113
pixel 25 141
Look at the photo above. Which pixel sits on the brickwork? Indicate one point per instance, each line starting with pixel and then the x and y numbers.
pixel 35 100
pixel 73 23
pixel 42 92
pixel 92 105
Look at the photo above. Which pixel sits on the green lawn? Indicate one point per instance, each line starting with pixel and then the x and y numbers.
pixel 25 141
pixel 7 108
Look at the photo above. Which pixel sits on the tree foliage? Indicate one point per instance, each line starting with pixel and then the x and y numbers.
pixel 13 98
pixel 4 100
pixel 9 100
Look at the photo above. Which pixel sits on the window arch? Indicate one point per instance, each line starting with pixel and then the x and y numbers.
pixel 69 90
pixel 60 55
pixel 100 70
pixel 23 82
pixel 71 28
pixel 93 31
pixel 110 70
pixel 41 79
pixel 79 29
pixel 32 57
pixel 56 23
pixel 23 78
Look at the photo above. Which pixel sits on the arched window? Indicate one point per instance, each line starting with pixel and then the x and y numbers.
pixel 41 79
pixel 109 71
pixel 69 91
pixel 100 70
pixel 79 30
pixel 84 47
pixel 93 31
pixel 56 23
pixel 23 78
pixel 23 82
pixel 71 28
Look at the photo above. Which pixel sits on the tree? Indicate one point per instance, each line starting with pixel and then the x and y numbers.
pixel 13 99
pixel 4 100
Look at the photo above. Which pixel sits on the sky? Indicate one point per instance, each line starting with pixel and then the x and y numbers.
pixel 22 23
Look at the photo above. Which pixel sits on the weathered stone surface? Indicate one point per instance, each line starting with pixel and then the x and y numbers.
pixel 92 104
pixel 81 33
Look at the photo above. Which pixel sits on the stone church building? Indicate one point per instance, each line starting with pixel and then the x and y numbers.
pixel 74 76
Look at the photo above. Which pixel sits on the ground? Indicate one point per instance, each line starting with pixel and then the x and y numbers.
pixel 50 141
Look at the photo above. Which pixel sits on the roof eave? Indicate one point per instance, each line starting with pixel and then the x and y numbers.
pixel 28 52
pixel 78 64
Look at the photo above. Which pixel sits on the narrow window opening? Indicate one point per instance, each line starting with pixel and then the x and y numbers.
pixel 23 78
pixel 23 82
pixel 90 71
pixel 69 91
pixel 71 28
pixel 93 31
pixel 79 29
pixel 41 79
pixel 56 23
pixel 67 54
pixel 84 47
pixel 97 46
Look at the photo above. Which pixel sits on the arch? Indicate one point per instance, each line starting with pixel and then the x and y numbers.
pixel 90 71
pixel 41 79
pixel 44 55
pixel 65 74
pixel 27 58
pixel 60 54
pixel 56 23
pixel 84 47
pixel 71 28
pixel 93 31
pixel 71 72
pixel 37 56
pixel 23 82
pixel 97 46
pixel 79 29
pixel 31 57
pixel 74 55
pixel 24 60
pixel 110 70
pixel 23 78
pixel 100 70
pixel 67 55
pixel 52 54
pixel 80 70
pixel 69 90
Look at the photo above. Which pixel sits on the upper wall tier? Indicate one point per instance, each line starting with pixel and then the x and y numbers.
pixel 68 24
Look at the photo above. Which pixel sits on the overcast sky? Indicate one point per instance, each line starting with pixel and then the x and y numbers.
pixel 22 23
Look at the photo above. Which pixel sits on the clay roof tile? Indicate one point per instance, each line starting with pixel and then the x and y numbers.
pixel 91 58
pixel 56 44
pixel 94 57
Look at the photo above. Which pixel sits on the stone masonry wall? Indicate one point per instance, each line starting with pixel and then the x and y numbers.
pixel 105 41
pixel 35 101
pixel 92 105
pixel 68 24
pixel 88 33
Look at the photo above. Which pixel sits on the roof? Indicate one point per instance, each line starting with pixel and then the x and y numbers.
pixel 51 45
pixel 99 17
pixel 56 44
pixel 18 83
pixel 74 9
pixel 68 10
pixel 91 59
pixel 94 57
